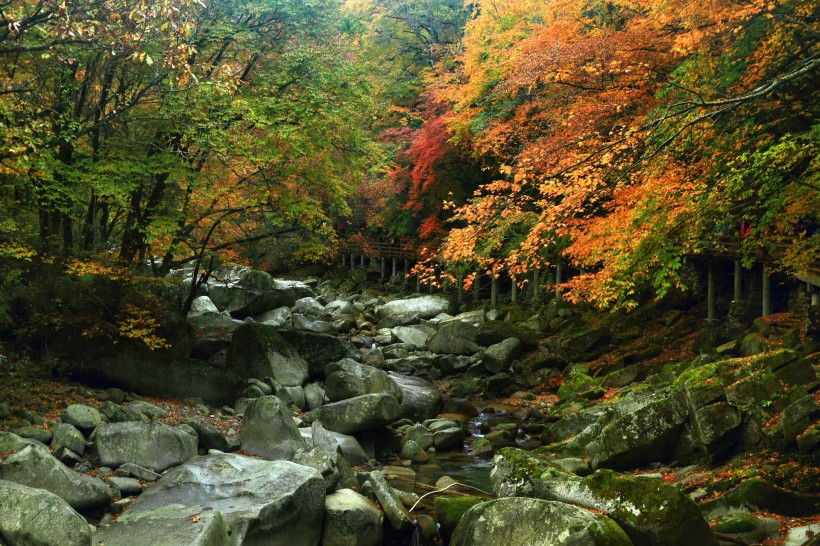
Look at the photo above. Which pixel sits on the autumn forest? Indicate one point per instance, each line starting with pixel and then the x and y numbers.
pixel 143 136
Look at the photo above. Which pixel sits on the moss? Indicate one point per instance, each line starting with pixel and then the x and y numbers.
pixel 449 510
pixel 736 523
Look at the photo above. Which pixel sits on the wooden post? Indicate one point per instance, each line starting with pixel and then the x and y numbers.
pixel 738 282
pixel 364 262
pixel 395 269
pixel 710 293
pixel 536 285
pixel 406 270
pixel 384 268
pixel 514 291
pixel 494 291
pixel 476 287
pixel 767 292
pixel 344 260
pixel 352 262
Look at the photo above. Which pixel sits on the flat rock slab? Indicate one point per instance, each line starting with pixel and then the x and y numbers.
pixel 359 414
pixel 263 502
pixel 172 525
pixel 150 445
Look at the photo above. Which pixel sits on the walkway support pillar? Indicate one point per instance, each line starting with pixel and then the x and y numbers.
pixel 494 291
pixel 711 313
pixel 384 268
pixel 559 270
pixel 352 262
pixel 738 282
pixel 767 292
pixel 395 269
pixel 344 260
pixel 815 298
pixel 536 285
pixel 514 291
pixel 476 287
pixel 364 262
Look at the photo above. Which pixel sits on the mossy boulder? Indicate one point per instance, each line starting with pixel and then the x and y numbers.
pixel 650 511
pixel 358 414
pixel 348 378
pixel 713 425
pixel 643 435
pixel 450 510
pixel 35 517
pixel 495 331
pixel 586 344
pixel 535 522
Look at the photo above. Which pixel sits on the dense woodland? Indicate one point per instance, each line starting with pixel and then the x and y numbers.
pixel 140 137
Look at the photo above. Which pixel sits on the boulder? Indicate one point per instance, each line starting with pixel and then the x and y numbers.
pixel 314 396
pixel 263 502
pixel 150 445
pixel 208 436
pixel 756 495
pixel 275 317
pixel 449 343
pixel 422 306
pixel 713 424
pixel 535 522
pixel 449 438
pixel 35 517
pixel 416 335
pixel 348 378
pixel 390 502
pixel 68 436
pixel 147 409
pixel 258 351
pixel 330 442
pixel 318 349
pixel 585 345
pixel 450 510
pixel 34 466
pixel 268 430
pixel 359 414
pixel 420 399
pixel 301 322
pixel 497 358
pixel 171 525
pixel 651 512
pixel 35 433
pixel 494 332
pixel 83 417
pixel 351 520
pixel 642 435
pixel 202 305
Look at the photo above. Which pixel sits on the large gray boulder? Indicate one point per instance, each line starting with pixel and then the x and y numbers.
pixel 423 306
pixel 449 343
pixel 650 511
pixel 329 442
pixel 69 437
pixel 171 525
pixel 202 305
pixel 34 466
pixel 642 435
pixel 150 445
pixel 497 358
pixel 268 430
pixel 420 399
pixel 319 349
pixel 359 414
pixel 348 378
pixel 535 522
pixel 258 351
pixel 263 502
pixel 34 517
pixel 416 335
pixel 351 520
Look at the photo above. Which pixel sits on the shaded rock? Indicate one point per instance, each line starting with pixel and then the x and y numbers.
pixel 83 417
pixel 755 495
pixel 136 471
pixel 516 521
pixel 420 399
pixel 449 438
pixel 258 351
pixel 263 502
pixel 126 486
pixel 201 305
pixel 171 525
pixel 35 467
pixel 34 517
pixel 314 396
pixel 150 445
pixel 275 317
pixel 323 463
pixel 319 350
pixel 348 378
pixel 747 528
pixel 713 423
pixel 412 451
pixel 115 413
pixel 268 430
pixel 208 436
pixel 301 322
pixel 422 306
pixel 34 433
pixel 498 357
pixel 494 332
pixel 292 396
pixel 362 413
pixel 330 442
pixel 351 520
pixel 586 344
pixel 147 409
